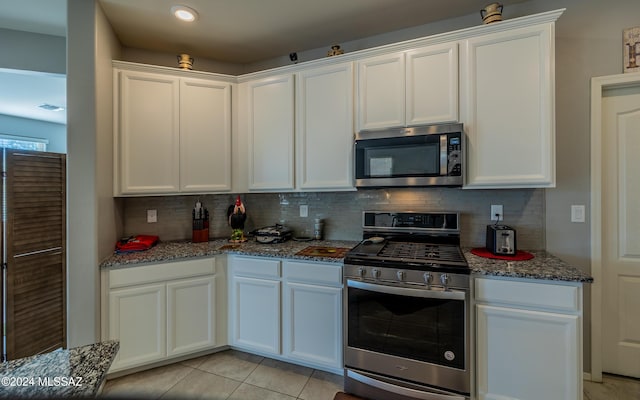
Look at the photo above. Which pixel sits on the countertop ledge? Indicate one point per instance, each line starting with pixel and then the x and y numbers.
pixel 543 266
pixel 184 250
pixel 60 374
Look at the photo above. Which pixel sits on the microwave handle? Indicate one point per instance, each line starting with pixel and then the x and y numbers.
pixel 403 391
pixel 405 291
pixel 444 156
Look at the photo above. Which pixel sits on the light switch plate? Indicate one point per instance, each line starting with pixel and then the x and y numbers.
pixel 152 216
pixel 304 210
pixel 577 213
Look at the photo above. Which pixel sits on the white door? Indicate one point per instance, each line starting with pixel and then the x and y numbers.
pixel 312 324
pixel 147 113
pixel 271 133
pixel 256 314
pixel 137 318
pixel 621 230
pixel 381 92
pixel 507 99
pixel 191 315
pixel 205 136
pixel 432 84
pixel 325 127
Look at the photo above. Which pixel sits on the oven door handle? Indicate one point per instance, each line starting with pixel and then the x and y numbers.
pixel 404 291
pixel 403 391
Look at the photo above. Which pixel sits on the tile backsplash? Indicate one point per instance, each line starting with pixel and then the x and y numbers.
pixel 342 212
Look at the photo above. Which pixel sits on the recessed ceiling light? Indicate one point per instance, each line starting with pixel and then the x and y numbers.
pixel 51 107
pixel 184 13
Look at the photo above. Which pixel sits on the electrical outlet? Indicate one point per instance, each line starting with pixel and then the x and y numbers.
pixel 152 216
pixel 496 212
pixel 304 210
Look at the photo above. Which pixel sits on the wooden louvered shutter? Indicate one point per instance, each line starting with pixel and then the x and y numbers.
pixel 35 252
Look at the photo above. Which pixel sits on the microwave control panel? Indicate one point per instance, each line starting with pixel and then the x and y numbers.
pixel 454 164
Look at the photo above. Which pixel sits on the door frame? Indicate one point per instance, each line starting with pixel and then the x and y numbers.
pixel 598 86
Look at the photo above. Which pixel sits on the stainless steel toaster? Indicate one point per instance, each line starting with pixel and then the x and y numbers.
pixel 501 240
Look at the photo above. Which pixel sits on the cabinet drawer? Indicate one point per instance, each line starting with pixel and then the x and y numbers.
pixel 326 274
pixel 161 272
pixel 528 294
pixel 258 267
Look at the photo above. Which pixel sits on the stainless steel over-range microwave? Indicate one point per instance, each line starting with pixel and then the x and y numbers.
pixel 430 155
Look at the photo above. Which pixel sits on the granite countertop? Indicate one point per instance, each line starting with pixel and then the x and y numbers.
pixel 542 266
pixel 180 250
pixel 77 372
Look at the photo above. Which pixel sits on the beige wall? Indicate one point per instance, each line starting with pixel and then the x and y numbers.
pixel 93 219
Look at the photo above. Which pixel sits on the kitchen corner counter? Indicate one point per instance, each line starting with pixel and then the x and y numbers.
pixel 542 266
pixel 77 372
pixel 183 250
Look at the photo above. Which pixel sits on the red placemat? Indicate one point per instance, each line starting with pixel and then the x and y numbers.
pixel 520 255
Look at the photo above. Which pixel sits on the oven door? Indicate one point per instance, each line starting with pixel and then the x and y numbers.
pixel 415 334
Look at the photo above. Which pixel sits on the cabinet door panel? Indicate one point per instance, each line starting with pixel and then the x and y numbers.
pixel 432 85
pixel 325 128
pixel 524 354
pixel 510 120
pixel 191 315
pixel 205 135
pixel 271 133
pixel 381 96
pixel 256 314
pixel 312 324
pixel 137 318
pixel 148 139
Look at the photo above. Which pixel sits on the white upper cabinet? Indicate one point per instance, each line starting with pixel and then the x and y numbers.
pixel 205 136
pixel 381 82
pixel 432 84
pixel 324 133
pixel 300 130
pixel 271 133
pixel 508 89
pixel 172 132
pixel 408 88
pixel 147 133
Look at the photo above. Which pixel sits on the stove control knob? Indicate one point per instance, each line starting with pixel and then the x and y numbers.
pixel 376 273
pixel 444 279
pixel 401 275
pixel 361 271
pixel 428 278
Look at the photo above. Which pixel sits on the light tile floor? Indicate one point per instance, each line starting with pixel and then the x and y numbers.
pixel 235 375
pixel 613 387
pixel 229 375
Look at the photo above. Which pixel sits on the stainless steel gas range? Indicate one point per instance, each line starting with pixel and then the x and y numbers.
pixel 407 309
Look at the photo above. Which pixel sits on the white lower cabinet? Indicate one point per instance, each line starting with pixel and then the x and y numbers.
pixel 191 315
pixel 137 319
pixel 162 311
pixel 528 340
pixel 287 310
pixel 256 314
pixel 312 310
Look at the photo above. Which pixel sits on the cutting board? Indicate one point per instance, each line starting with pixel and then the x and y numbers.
pixel 323 251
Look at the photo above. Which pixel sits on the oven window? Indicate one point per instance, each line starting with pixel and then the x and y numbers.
pixel 431 330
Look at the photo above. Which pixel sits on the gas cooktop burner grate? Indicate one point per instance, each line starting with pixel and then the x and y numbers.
pixel 422 252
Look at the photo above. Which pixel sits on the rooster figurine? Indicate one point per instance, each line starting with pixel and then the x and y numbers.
pixel 237 215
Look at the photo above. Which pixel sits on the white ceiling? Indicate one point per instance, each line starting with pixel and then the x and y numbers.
pixel 234 31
